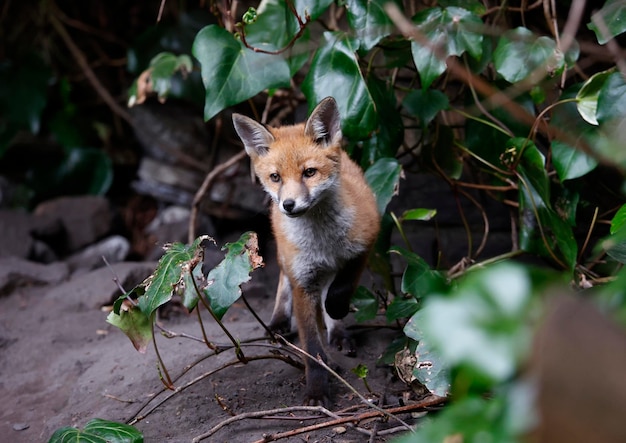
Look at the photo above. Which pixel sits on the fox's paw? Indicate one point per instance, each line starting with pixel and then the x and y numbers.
pixel 316 397
pixel 280 326
pixel 342 341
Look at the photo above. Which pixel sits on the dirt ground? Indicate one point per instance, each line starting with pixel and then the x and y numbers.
pixel 61 364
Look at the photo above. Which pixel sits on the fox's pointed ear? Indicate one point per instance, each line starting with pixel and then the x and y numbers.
pixel 324 124
pixel 256 139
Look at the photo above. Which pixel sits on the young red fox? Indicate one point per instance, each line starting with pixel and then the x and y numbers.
pixel 325 221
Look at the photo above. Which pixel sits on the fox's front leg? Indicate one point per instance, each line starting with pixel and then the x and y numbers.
pixel 281 316
pixel 337 303
pixel 346 281
pixel 308 310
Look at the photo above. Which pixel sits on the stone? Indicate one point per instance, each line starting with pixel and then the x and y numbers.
pixel 21 233
pixel 114 249
pixel 16 272
pixel 85 218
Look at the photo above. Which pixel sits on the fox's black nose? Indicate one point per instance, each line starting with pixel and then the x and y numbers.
pixel 289 204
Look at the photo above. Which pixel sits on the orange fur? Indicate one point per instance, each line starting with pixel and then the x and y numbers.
pixel 325 221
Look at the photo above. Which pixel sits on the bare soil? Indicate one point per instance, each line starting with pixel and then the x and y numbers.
pixel 61 364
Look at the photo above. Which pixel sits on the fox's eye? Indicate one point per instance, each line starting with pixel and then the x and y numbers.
pixel 309 172
pixel 275 177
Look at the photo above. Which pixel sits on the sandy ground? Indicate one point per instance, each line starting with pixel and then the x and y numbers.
pixel 61 364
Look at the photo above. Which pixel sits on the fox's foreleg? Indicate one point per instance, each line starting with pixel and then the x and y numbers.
pixel 337 302
pixel 281 316
pixel 309 316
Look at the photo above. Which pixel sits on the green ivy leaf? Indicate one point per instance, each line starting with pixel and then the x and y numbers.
pixel 273 30
pixel 232 73
pixel 134 323
pixel 431 370
pixel 335 72
pixel 484 328
pixel 366 304
pixel 613 15
pixel 225 280
pixel 370 21
pixel 611 102
pixel 425 104
pixel 587 97
pixel 384 177
pixel 519 53
pixel 569 162
pixel 418 278
pixel 98 431
pixel 160 285
pixel 453 30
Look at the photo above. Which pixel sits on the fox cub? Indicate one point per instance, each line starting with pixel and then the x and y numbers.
pixel 325 221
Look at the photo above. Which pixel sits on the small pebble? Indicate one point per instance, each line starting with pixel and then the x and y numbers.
pixel 339 430
pixel 20 426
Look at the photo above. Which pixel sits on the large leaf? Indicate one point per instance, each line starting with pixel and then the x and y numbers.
pixel 225 280
pixel 335 72
pixel 519 53
pixel 569 162
pixel 232 73
pixel 450 31
pixel 483 328
pixel 98 431
pixel 274 29
pixel 369 20
pixel 613 16
pixel 384 177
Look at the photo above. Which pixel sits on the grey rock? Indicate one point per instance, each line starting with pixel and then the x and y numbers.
pixel 114 249
pixel 100 287
pixel 20 230
pixel 85 218
pixel 16 272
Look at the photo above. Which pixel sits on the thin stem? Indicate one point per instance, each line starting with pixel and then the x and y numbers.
pixel 162 368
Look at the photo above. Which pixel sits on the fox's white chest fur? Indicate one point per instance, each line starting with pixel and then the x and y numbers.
pixel 321 239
